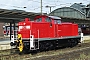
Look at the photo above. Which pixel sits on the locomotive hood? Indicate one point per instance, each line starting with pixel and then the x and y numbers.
pixel 26 20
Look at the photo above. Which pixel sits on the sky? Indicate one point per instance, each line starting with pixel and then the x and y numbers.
pixel 35 5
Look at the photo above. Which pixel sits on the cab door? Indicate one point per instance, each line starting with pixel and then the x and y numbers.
pixel 58 28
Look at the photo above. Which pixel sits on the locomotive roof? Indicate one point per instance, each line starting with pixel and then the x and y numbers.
pixel 54 17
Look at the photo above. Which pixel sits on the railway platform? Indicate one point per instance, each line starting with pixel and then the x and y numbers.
pixel 4 43
pixel 5 46
pixel 87 37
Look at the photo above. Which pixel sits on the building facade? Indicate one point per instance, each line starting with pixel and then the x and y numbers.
pixel 1 29
pixel 77 10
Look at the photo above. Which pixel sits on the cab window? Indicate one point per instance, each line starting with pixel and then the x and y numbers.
pixel 39 20
pixel 57 21
pixel 48 19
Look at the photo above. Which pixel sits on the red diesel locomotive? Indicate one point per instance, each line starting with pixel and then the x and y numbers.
pixel 45 32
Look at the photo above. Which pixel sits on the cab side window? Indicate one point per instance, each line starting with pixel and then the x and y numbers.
pixel 48 20
pixel 39 20
pixel 57 21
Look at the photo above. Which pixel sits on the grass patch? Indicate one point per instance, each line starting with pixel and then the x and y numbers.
pixel 82 56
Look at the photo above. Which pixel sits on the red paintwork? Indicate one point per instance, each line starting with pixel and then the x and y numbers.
pixel 45 29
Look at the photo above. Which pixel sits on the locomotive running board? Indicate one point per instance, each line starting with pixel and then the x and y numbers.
pixel 42 39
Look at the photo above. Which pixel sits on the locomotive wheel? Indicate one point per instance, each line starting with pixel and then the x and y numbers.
pixel 26 49
pixel 73 42
pixel 41 46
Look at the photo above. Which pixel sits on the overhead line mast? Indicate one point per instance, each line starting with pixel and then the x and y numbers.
pixel 41 7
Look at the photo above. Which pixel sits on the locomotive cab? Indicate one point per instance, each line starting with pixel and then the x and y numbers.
pixel 43 19
pixel 48 19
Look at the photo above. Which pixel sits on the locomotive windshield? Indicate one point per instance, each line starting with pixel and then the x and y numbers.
pixel 48 19
pixel 57 21
pixel 39 20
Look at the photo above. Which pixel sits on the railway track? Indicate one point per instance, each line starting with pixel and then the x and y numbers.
pixel 8 55
pixel 5 52
pixel 60 52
